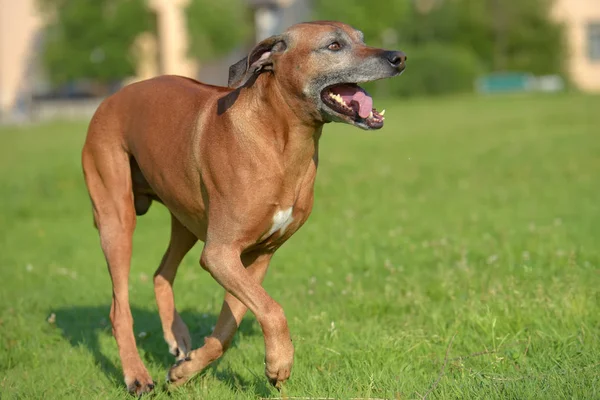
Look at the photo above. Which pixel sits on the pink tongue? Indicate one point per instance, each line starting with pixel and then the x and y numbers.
pixel 352 94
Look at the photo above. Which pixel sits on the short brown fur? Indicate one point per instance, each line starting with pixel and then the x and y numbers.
pixel 223 173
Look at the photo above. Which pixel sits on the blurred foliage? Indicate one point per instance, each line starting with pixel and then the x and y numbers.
pixel 93 38
pixel 441 69
pixel 448 40
pixel 216 27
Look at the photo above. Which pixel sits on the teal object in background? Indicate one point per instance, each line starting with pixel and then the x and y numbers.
pixel 506 82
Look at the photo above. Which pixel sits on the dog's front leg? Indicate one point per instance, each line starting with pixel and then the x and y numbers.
pixel 225 265
pixel 231 315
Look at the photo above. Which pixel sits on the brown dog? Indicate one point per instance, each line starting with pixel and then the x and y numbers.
pixel 235 167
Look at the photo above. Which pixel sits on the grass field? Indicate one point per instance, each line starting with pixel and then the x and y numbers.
pixel 454 254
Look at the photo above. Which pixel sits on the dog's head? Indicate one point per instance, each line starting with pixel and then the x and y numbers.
pixel 321 65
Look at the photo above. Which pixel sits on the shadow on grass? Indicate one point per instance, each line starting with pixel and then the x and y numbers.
pixel 82 326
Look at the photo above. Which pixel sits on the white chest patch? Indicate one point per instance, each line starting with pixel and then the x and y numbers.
pixel 281 220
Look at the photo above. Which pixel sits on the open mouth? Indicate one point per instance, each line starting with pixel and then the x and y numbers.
pixel 354 104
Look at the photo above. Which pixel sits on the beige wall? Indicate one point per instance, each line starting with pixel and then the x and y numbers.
pixel 576 14
pixel 173 37
pixel 18 27
pixel 20 23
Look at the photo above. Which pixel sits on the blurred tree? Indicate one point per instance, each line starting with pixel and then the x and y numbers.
pixel 493 35
pixel 93 38
pixel 372 18
pixel 510 35
pixel 216 27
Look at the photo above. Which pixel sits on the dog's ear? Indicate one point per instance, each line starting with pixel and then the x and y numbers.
pixel 259 60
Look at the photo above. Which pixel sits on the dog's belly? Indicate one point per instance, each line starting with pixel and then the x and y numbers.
pixel 183 201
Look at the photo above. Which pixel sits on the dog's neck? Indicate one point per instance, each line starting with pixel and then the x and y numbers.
pixel 286 127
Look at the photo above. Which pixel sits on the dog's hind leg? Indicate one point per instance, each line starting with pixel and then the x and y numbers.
pixel 175 331
pixel 108 178
pixel 229 320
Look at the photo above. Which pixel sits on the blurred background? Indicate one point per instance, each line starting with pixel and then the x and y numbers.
pixel 59 58
pixel 453 253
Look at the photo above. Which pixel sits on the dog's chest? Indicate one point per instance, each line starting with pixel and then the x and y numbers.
pixel 292 210
pixel 279 224
pixel 281 221
pixel 282 224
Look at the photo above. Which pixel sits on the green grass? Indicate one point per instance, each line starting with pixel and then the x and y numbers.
pixel 465 234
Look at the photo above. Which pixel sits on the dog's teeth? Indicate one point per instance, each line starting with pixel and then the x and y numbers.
pixel 339 99
pixel 382 112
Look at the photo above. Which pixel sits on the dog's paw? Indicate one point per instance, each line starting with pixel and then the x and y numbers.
pixel 138 385
pixel 195 362
pixel 279 367
pixel 178 339
pixel 278 378
pixel 177 351
pixel 181 371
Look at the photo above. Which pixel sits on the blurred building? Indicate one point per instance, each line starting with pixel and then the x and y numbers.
pixel 582 23
pixel 172 38
pixel 20 44
pixel 21 41
pixel 19 27
pixel 270 18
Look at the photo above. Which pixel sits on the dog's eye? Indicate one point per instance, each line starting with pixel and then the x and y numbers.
pixel 335 46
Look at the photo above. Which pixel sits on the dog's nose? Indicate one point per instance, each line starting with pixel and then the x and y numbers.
pixel 396 58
